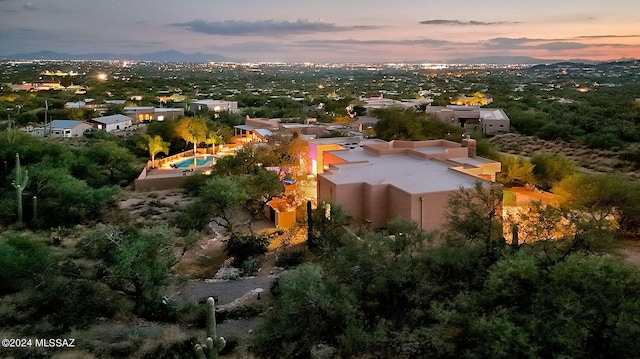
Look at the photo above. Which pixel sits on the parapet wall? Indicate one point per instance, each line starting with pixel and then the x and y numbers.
pixel 160 183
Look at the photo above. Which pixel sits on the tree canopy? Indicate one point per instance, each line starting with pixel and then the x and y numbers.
pixel 407 124
pixel 192 130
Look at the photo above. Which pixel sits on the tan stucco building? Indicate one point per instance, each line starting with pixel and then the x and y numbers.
pixel 473 118
pixel 378 181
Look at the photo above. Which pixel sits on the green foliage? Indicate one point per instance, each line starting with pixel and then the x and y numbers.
pixel 587 304
pixel 227 199
pixel 290 258
pixel 508 198
pixel 550 169
pixel 474 214
pixel 249 267
pixel 244 248
pixel 68 304
pixel 516 171
pixel 610 201
pixel 155 145
pixel 19 183
pixel 25 261
pixel 260 188
pixel 214 344
pixel 224 197
pixel 558 131
pixel 167 130
pixel 137 263
pixel 329 227
pixel 192 130
pixel 404 296
pixel 484 147
pixel 193 184
pixel 64 200
pixel 605 141
pixel 323 308
pixel 101 242
pixel 107 163
pixel 407 124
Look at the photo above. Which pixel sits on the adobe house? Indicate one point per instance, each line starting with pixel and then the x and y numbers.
pixel 380 181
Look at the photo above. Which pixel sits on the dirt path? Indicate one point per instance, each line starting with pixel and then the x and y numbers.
pixel 229 291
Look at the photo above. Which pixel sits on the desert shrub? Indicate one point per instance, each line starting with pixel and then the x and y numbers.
pixel 250 267
pixel 232 344
pixel 170 348
pixel 508 198
pixel 101 242
pixel 245 311
pixel 290 258
pixel 24 260
pixel 191 216
pixel 604 141
pixel 192 315
pixel 72 304
pixel 193 184
pixel 244 247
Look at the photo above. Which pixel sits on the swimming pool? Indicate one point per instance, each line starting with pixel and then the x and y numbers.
pixel 186 163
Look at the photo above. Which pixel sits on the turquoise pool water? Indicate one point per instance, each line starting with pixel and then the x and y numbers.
pixel 189 162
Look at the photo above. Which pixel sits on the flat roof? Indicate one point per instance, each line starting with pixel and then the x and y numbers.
pixel 472 160
pixel 244 127
pixel 168 109
pixel 139 108
pixel 346 142
pixel 408 173
pixel 493 114
pixel 108 120
pixel 211 102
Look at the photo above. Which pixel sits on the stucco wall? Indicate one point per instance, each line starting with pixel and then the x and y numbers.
pixel 430 212
pixel 375 211
pixel 161 183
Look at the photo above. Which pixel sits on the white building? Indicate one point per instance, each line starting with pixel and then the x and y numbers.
pixel 214 105
pixel 113 122
pixel 473 118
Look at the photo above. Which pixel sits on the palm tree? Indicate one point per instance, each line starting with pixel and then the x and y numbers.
pixel 155 145
pixel 213 138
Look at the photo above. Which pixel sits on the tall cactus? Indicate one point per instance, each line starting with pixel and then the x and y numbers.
pixel 22 178
pixel 214 344
pixel 35 207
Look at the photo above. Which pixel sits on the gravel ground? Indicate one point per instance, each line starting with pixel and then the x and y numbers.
pixel 230 290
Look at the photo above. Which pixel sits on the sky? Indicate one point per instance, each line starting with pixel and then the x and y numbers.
pixel 327 31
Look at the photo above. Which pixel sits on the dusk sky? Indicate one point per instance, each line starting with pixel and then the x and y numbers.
pixel 326 31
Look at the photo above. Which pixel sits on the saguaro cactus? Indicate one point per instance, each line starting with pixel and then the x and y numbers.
pixel 35 207
pixel 22 178
pixel 214 344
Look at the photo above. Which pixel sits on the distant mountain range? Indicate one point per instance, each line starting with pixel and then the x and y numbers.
pixel 161 56
pixel 199 57
pixel 525 60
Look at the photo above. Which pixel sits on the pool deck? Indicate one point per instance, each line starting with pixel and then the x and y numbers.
pixel 172 172
pixel 166 177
